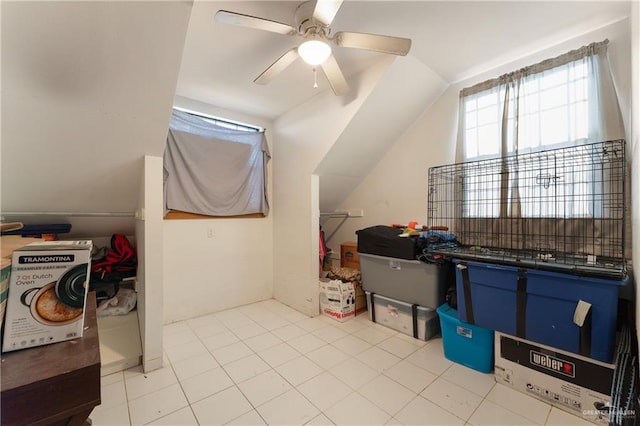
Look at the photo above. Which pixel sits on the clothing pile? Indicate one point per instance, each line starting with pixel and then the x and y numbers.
pixel 345 274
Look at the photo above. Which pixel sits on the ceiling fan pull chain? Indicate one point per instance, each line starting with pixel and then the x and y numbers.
pixel 315 78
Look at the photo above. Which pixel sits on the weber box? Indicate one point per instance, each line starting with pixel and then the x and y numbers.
pixel 576 384
pixel 337 299
pixel 47 293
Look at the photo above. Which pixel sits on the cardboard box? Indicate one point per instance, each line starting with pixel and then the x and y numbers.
pixel 47 293
pixel 5 273
pixel 347 274
pixel 9 243
pixel 361 298
pixel 573 383
pixel 349 255
pixel 337 299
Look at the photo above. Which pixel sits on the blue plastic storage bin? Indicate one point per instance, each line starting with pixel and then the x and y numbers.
pixel 539 305
pixel 466 344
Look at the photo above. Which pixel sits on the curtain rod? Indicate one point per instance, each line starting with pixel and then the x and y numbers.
pixel 75 214
pixel 573 55
pixel 345 214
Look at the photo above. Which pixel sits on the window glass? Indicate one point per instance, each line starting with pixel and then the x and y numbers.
pixel 552 108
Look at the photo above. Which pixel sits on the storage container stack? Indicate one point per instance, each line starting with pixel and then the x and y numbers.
pixel 543 278
pixel 402 292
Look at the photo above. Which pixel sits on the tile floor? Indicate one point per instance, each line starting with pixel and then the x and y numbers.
pixel 266 363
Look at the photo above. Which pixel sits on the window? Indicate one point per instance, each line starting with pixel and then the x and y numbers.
pixel 562 102
pixel 215 167
pixel 552 112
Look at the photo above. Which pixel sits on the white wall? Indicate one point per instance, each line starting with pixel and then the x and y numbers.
pixel 234 266
pixel 303 137
pixel 86 92
pixel 87 89
pixel 149 244
pixel 396 189
pixel 407 88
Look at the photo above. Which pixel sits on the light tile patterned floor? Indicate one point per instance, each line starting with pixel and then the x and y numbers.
pixel 266 363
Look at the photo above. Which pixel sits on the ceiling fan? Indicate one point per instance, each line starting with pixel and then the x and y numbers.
pixel 312 22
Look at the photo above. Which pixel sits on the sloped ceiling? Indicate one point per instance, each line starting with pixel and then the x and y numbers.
pixel 87 87
pixel 452 41
pixel 87 91
pixel 455 39
pixel 388 111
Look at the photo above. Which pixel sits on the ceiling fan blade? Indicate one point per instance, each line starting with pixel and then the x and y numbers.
pixel 378 43
pixel 277 67
pixel 233 18
pixel 334 75
pixel 325 11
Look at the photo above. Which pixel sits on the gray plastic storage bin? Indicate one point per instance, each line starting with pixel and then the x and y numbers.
pixel 399 316
pixel 409 281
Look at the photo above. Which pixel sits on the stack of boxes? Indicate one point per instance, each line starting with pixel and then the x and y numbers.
pixel 543 274
pixel 554 336
pixel 557 336
pixel 402 292
pixel 341 295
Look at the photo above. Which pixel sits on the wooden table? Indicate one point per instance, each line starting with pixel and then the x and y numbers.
pixel 57 384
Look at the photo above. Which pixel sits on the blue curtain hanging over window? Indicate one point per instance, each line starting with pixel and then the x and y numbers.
pixel 213 170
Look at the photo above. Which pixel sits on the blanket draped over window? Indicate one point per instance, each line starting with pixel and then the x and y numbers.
pixel 213 170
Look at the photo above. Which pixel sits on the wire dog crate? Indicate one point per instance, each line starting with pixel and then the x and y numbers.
pixel 560 209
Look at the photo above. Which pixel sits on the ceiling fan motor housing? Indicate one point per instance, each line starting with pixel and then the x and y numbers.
pixel 304 17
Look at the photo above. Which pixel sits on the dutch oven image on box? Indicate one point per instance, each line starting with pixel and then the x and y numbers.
pixel 59 302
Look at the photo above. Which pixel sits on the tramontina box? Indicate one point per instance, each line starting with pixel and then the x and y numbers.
pixel 47 293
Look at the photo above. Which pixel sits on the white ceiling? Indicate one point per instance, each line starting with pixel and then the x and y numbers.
pixel 455 39
pixel 100 77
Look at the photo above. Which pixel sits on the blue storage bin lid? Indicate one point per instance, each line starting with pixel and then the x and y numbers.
pixel 620 281
pixel 447 311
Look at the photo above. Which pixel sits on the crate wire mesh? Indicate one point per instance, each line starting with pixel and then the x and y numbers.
pixel 560 209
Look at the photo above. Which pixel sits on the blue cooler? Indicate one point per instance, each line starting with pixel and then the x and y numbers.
pixel 466 344
pixel 570 312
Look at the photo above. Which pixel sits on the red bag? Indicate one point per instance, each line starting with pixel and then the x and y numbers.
pixel 119 262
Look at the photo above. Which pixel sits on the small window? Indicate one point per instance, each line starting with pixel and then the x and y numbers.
pixel 214 167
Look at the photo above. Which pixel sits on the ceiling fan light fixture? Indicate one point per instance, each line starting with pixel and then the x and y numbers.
pixel 314 52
